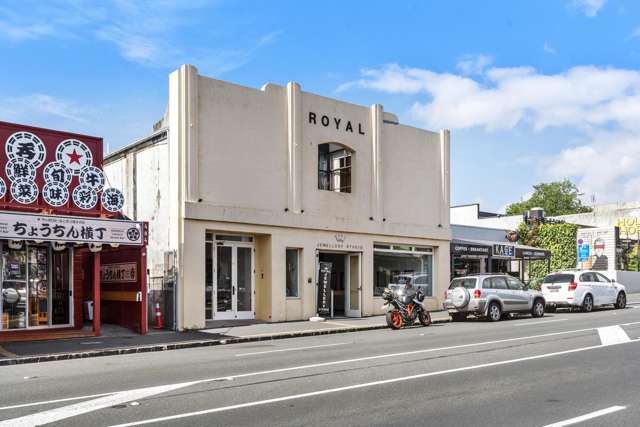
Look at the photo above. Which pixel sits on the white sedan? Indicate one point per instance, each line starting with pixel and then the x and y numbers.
pixel 583 289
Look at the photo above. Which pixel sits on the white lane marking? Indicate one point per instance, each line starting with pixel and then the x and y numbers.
pixel 64 412
pixel 291 349
pixel 362 359
pixel 359 359
pixel 357 386
pixel 588 416
pixel 48 402
pixel 539 323
pixel 613 335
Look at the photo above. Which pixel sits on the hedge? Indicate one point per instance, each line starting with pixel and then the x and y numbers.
pixel 559 239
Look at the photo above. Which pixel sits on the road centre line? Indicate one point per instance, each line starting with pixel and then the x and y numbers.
pixel 539 323
pixel 363 385
pixel 291 349
pixel 360 359
pixel 588 416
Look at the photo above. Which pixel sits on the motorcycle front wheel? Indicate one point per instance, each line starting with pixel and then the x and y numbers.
pixel 394 320
pixel 425 318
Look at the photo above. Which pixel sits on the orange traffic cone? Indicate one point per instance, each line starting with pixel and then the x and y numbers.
pixel 159 321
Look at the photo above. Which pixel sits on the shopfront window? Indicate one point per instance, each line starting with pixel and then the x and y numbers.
pixel 293 272
pixel 395 268
pixel 35 285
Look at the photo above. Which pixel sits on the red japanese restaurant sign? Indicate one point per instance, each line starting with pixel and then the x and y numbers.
pixel 57 172
pixel 23 226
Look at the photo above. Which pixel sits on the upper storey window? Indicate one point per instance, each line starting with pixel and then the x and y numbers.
pixel 334 168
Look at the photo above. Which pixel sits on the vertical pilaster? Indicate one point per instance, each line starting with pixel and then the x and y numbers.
pixel 377 211
pixel 445 154
pixel 183 162
pixel 294 147
pixel 96 293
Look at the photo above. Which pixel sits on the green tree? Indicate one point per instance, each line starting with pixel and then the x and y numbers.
pixel 556 198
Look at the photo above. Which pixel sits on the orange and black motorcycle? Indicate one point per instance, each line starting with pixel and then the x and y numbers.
pixel 404 307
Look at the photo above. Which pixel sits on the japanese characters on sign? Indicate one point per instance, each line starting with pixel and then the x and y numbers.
pixel 85 197
pixel 70 229
pixel 92 177
pixel 26 153
pixel 26 146
pixel 125 272
pixel 24 190
pixel 57 172
pixel 112 200
pixel 55 194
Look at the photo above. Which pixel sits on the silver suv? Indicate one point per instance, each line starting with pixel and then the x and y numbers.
pixel 492 296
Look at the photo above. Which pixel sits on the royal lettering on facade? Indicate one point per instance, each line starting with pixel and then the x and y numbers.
pixel 335 122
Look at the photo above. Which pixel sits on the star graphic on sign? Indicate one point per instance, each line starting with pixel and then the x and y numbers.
pixel 74 157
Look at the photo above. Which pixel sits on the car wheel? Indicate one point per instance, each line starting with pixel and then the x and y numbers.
pixel 538 308
pixel 587 303
pixel 458 317
pixel 621 301
pixel 494 313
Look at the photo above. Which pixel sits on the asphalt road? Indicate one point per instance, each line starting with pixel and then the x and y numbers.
pixel 523 372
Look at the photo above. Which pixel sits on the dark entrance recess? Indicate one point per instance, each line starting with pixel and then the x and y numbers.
pixel 338 280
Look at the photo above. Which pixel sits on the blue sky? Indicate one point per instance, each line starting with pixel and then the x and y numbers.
pixel 531 90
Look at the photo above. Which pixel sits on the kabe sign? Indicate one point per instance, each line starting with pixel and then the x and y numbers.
pixel 504 250
pixel 70 229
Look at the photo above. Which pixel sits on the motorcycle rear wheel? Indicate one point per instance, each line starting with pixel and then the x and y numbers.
pixel 394 319
pixel 425 318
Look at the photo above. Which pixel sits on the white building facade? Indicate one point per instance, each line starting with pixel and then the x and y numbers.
pixel 280 204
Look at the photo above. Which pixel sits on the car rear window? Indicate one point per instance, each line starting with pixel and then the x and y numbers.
pixel 558 278
pixel 465 283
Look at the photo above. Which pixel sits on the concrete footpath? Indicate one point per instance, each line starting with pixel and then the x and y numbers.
pixel 121 341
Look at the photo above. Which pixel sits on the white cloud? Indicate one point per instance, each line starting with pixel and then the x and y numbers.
pixel 604 167
pixel 40 106
pixel 146 32
pixel 589 7
pixel 601 105
pixel 503 98
pixel 473 64
pixel 549 49
pixel 17 32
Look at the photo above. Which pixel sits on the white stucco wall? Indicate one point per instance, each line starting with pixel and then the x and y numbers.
pixel 143 177
pixel 246 160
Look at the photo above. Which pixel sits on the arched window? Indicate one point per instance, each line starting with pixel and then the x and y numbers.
pixel 334 167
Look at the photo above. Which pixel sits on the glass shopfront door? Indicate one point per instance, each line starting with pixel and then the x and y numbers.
pixel 35 287
pixel 230 289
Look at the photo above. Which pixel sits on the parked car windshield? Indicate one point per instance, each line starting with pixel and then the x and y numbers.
pixel 558 278
pixel 469 283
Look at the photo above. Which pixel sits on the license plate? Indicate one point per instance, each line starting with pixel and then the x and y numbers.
pixel 554 290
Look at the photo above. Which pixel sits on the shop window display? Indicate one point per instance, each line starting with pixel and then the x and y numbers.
pixel 395 269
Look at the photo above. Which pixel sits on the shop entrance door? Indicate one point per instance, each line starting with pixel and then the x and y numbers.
pixel 233 290
pixel 354 294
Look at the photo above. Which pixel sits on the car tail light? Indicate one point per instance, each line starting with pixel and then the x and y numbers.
pixel 477 293
pixel 446 295
pixel 573 286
